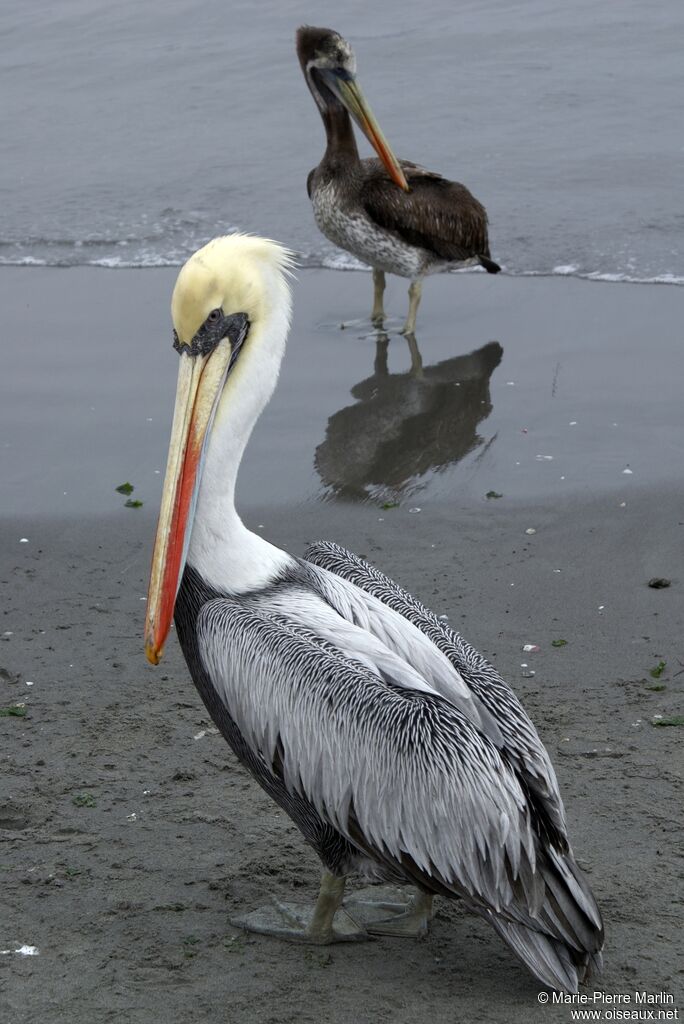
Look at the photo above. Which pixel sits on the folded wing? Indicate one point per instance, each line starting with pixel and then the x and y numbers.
pixel 404 774
pixel 519 740
pixel 400 772
pixel 436 214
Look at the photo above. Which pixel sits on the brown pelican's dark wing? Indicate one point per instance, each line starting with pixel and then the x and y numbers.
pixel 436 214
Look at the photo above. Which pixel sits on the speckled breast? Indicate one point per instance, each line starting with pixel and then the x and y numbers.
pixel 353 230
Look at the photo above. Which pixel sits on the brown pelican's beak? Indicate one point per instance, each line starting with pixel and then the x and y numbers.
pixel 345 86
pixel 201 377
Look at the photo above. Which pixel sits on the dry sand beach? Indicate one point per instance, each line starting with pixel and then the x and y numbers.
pixel 129 833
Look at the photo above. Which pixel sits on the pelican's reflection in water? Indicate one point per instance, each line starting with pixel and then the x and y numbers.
pixel 405 425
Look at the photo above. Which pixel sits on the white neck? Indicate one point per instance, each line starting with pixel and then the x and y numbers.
pixel 226 554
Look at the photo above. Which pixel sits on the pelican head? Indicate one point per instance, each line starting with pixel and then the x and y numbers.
pixel 329 66
pixel 230 311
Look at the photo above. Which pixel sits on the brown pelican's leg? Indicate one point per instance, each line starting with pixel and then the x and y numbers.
pixel 415 292
pixel 326 922
pixel 378 314
pixel 404 920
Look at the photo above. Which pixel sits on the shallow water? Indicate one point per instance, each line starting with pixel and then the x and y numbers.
pixel 538 390
pixel 133 132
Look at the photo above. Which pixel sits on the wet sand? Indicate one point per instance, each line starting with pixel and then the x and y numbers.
pixel 129 834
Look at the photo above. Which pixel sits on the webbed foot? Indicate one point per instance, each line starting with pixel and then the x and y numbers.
pixel 403 920
pixel 320 925
pixel 295 922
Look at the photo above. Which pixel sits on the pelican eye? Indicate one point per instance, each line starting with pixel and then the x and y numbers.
pixel 216 327
pixel 212 331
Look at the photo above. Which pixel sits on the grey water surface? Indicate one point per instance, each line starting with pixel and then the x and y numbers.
pixel 542 391
pixel 132 132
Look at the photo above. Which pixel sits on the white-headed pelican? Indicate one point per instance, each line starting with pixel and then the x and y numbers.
pixel 393 746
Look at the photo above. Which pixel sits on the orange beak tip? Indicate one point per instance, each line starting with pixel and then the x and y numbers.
pixel 154 656
pixel 401 181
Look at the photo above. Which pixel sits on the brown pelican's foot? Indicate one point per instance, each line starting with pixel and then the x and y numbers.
pixel 378 314
pixel 415 292
pixel 403 920
pixel 320 925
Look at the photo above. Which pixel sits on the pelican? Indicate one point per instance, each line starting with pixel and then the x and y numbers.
pixel 389 213
pixel 394 747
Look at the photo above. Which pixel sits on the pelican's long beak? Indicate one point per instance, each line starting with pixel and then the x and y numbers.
pixel 201 377
pixel 348 91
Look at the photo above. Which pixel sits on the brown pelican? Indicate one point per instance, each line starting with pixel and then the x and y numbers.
pixel 389 213
pixel 406 425
pixel 393 746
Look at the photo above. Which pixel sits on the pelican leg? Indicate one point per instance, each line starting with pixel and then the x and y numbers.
pixel 378 314
pixel 404 920
pixel 415 292
pixel 326 922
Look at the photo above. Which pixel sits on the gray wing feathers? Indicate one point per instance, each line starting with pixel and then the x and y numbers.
pixel 567 950
pixel 408 767
pixel 553 922
pixel 361 645
pixel 548 958
pixel 519 738
pixel 413 653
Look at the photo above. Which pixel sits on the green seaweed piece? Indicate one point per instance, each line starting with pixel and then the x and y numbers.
pixel 493 494
pixel 133 503
pixel 125 488
pixel 390 504
pixel 235 945
pixel 12 712
pixel 658 670
pixel 672 720
pixel 84 800
pixel 559 643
